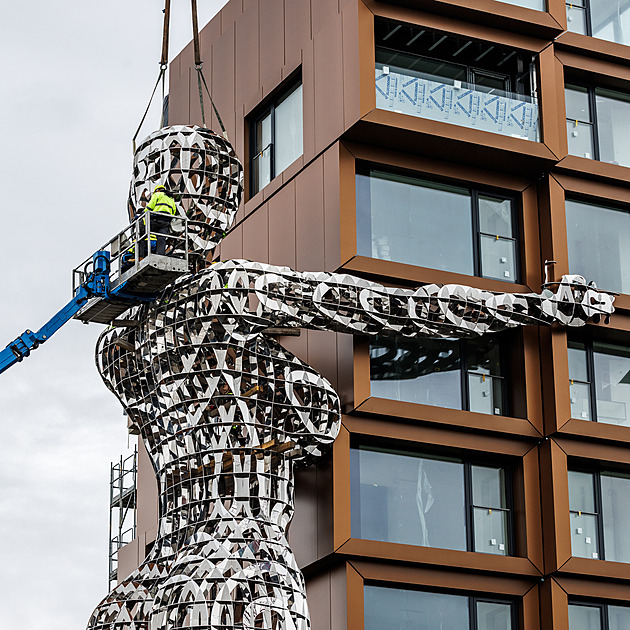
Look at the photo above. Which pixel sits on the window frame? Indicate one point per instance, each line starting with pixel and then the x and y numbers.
pixel 588 22
pixel 256 117
pixel 597 500
pixel 365 168
pixel 467 462
pixel 588 342
pixel 597 474
pixel 592 112
pixel 602 607
pixel 464 371
pixel 473 600
pixel 591 91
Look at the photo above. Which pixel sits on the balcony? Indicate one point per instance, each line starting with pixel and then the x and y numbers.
pixel 457 103
pixel 456 80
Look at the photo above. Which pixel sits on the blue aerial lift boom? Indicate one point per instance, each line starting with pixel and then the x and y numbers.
pixel 113 280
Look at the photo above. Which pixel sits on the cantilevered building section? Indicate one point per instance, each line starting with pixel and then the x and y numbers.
pixel 475 484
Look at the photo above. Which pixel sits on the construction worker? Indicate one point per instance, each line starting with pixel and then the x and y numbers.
pixel 161 201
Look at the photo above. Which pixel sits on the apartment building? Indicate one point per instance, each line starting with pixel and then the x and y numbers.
pixel 480 484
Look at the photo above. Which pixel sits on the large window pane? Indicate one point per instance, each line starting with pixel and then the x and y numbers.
pixel 538 5
pixel 426 372
pixel 584 617
pixel 485 385
pixel 416 222
pixel 579 386
pixel 599 244
pixel 580 137
pixel 288 130
pixel 577 103
pixel 616 516
pixel 610 20
pixel 407 499
pixel 612 383
pixel 576 17
pixel 583 520
pixel 398 609
pixel 262 160
pixel 494 616
pixel 613 126
pixel 490 513
pixel 618 618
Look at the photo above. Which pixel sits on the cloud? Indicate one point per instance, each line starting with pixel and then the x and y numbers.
pixel 76 78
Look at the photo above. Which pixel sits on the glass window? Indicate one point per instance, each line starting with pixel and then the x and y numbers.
pixel 593 616
pixel 490 511
pixel 584 517
pixel 276 138
pixel 288 127
pixel 604 19
pixel 579 121
pixel 598 124
pixel 413 499
pixel 452 79
pixel 538 5
pixel 409 220
pixel 613 126
pixel 582 617
pixel 600 515
pixel 393 608
pixel 440 372
pixel 599 244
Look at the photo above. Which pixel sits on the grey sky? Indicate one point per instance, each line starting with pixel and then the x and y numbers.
pixel 76 76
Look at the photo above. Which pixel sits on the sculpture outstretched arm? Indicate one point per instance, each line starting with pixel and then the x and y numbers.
pixel 345 303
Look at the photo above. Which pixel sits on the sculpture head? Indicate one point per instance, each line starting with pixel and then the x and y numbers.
pixel 201 169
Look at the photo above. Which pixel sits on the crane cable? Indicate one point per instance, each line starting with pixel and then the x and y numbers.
pixel 198 68
pixel 164 67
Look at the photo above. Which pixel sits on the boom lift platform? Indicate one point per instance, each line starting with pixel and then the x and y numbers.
pixel 125 272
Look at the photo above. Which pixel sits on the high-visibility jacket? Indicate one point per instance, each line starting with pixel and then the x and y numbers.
pixel 161 202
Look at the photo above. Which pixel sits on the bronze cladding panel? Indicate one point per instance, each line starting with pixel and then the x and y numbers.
pixel 500 15
pixel 555 505
pixel 147 494
pixel 309 217
pixel 256 235
pixel 328 56
pixel 271 41
pixel 282 227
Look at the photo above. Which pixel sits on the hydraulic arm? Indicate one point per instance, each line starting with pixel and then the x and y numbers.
pixel 97 284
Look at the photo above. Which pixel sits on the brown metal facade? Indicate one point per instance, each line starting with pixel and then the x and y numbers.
pixel 306 219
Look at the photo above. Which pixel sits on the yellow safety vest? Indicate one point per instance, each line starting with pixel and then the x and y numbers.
pixel 161 202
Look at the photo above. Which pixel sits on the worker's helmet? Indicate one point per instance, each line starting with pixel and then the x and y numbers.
pixel 200 170
pixel 160 187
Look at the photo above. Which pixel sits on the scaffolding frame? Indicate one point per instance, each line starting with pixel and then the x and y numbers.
pixel 122 509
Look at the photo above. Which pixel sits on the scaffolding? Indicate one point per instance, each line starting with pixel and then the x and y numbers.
pixel 122 509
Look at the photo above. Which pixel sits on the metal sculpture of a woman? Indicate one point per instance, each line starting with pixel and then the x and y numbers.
pixel 226 412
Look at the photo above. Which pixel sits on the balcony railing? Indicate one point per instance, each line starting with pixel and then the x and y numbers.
pixel 456 102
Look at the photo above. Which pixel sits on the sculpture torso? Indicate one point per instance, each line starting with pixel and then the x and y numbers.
pixel 224 412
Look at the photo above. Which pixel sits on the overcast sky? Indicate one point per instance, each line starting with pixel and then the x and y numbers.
pixel 75 78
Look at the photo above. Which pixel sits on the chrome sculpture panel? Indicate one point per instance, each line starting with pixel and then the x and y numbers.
pixel 226 412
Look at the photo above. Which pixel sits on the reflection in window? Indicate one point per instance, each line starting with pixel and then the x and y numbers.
pixel 604 19
pixel 538 5
pixel 276 140
pixel 599 376
pixel 387 608
pixel 599 515
pixel 440 372
pixel 597 124
pixel 594 616
pixel 409 220
pixel 599 244
pixel 429 501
